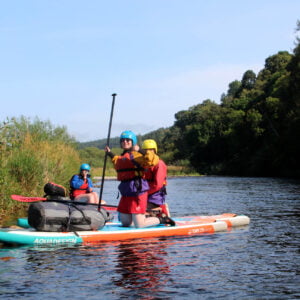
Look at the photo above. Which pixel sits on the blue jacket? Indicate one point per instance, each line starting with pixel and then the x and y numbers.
pixel 77 181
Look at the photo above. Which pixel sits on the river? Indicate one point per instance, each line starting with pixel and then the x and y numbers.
pixel 259 261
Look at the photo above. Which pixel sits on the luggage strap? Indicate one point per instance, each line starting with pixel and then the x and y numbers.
pixel 69 219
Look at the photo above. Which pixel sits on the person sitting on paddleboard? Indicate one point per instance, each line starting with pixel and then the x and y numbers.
pixel 81 186
pixel 133 185
pixel 157 179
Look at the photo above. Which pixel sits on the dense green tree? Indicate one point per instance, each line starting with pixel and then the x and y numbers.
pixel 234 89
pixel 248 80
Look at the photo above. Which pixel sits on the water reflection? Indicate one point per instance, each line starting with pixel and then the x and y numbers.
pixel 142 264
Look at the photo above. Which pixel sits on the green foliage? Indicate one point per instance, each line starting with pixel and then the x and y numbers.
pixel 92 155
pixel 95 157
pixel 26 169
pixel 248 80
pixel 277 63
pixel 33 153
pixel 113 143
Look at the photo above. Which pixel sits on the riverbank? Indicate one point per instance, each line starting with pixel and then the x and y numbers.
pixel 173 171
pixel 97 179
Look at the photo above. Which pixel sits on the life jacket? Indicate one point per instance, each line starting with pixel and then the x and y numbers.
pixel 74 192
pixel 157 180
pixel 127 168
pixel 131 175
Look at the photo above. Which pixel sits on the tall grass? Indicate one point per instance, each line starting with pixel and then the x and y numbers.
pixel 33 153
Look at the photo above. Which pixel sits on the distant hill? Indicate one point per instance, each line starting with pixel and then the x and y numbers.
pixel 115 141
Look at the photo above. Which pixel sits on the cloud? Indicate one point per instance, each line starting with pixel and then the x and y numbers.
pixel 206 83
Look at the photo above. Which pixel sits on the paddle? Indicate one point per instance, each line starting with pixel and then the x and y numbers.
pixel 36 199
pixel 107 143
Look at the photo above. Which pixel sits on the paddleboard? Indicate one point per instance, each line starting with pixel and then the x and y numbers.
pixel 113 231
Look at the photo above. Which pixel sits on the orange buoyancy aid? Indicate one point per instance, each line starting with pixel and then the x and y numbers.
pixel 131 164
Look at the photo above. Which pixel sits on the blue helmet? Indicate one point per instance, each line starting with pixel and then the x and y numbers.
pixel 128 134
pixel 85 167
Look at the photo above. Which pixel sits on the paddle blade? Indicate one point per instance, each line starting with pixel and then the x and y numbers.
pixel 27 199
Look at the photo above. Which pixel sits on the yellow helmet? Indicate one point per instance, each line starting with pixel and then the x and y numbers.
pixel 149 144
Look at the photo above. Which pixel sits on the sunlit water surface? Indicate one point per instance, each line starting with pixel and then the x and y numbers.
pixel 259 261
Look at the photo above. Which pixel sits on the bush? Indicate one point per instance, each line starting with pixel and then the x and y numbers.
pixel 31 154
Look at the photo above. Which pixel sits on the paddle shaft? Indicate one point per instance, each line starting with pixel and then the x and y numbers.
pixel 107 143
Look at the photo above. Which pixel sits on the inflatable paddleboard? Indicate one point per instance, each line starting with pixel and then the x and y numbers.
pixel 113 231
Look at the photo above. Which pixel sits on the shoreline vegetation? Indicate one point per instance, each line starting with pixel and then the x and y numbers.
pixel 33 153
pixel 110 173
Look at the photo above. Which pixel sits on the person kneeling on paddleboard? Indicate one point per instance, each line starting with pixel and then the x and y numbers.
pixel 133 186
pixel 81 186
pixel 157 179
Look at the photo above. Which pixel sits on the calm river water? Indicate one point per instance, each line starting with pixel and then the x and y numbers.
pixel 260 261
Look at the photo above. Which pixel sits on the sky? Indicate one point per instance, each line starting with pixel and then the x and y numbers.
pixel 61 60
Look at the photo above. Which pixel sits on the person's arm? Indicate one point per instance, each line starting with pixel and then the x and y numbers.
pixel 77 182
pixel 109 153
pixel 113 157
pixel 90 185
pixel 144 157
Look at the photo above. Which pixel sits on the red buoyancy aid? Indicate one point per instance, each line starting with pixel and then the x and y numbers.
pixel 81 190
pixel 78 186
pixel 156 176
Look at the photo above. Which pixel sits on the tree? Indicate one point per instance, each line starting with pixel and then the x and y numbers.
pixel 248 80
pixel 234 89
